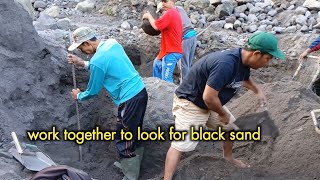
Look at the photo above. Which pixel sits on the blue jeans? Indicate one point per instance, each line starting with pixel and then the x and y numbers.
pixel 189 48
pixel 164 69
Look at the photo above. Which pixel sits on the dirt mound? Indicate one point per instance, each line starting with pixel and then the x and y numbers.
pixel 294 154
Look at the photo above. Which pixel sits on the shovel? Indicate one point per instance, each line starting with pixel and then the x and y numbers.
pixel 251 122
pixel 34 161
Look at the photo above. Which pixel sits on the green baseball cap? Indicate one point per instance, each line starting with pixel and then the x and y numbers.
pixel 81 35
pixel 266 43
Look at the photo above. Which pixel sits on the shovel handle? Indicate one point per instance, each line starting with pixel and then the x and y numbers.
pixel 16 142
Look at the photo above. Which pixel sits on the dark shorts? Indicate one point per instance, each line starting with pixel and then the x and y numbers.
pixel 130 117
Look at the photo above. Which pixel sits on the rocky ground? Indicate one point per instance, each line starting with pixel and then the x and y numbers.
pixel 36 83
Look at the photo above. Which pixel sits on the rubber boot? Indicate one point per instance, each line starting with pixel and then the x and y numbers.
pixel 131 166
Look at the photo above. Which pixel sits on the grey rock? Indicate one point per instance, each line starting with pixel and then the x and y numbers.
pixel 126 25
pixel 311 21
pixel 284 5
pixel 267 9
pixel 253 28
pixel 218 24
pixel 241 20
pixel 255 10
pixel 261 5
pixel 224 9
pixel 301 19
pixel 301 10
pixel 39 4
pixel 275 22
pixel 200 4
pixel 134 2
pixel 252 18
pixel 45 22
pixel 278 30
pixel 215 2
pixel 240 9
pixel 272 13
pixel 312 4
pixel 291 7
pixel 262 16
pixel 269 28
pixel 85 6
pixel 242 15
pixel 291 29
pixel 298 26
pixel 262 27
pixel 237 24
pixel 308 13
pixel 249 6
pixel 64 24
pixel 267 22
pixel 228 26
pixel 304 28
pixel 231 19
pixel 53 11
pixel 239 30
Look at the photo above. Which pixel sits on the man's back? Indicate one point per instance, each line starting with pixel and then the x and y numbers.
pixel 112 67
pixel 222 71
pixel 186 22
pixel 170 25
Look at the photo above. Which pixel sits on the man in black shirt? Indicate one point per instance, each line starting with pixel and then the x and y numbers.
pixel 209 85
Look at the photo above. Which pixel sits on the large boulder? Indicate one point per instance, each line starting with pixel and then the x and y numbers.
pixel 312 4
pixel 146 26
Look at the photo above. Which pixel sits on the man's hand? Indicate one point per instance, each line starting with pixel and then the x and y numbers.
pixel 304 54
pixel 225 118
pixel 74 93
pixel 73 59
pixel 146 15
pixel 262 99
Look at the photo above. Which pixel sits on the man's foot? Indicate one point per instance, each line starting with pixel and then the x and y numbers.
pixel 238 163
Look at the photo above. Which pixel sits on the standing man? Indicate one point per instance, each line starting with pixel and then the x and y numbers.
pixel 212 81
pixel 111 68
pixel 170 26
pixel 315 46
pixel 189 40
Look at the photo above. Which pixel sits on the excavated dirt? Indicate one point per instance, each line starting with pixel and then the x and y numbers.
pixel 35 95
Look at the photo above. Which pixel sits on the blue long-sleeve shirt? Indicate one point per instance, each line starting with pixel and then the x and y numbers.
pixel 315 45
pixel 112 69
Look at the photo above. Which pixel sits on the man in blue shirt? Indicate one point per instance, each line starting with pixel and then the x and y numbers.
pixel 209 85
pixel 314 46
pixel 112 69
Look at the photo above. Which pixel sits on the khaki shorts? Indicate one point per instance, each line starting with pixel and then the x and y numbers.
pixel 188 114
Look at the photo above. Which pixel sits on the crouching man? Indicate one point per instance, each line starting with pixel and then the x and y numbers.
pixel 111 68
pixel 209 85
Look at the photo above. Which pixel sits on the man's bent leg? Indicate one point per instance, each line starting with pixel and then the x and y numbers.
pixel 227 154
pixel 186 115
pixel 189 48
pixel 130 117
pixel 168 65
pixel 213 124
pixel 157 68
pixel 172 160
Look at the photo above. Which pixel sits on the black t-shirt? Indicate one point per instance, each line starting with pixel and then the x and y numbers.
pixel 223 71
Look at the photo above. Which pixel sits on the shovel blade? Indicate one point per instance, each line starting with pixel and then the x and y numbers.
pixel 34 162
pixel 262 119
